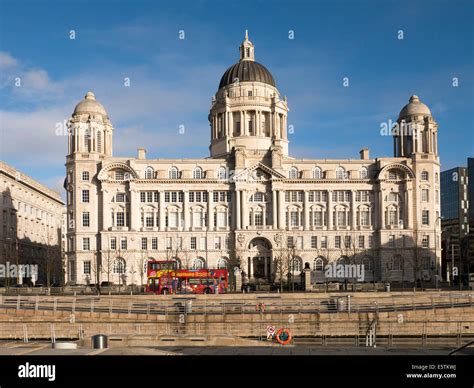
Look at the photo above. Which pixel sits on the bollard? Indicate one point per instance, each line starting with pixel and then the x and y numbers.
pixel 99 341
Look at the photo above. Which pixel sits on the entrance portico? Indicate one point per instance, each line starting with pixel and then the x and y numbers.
pixel 260 263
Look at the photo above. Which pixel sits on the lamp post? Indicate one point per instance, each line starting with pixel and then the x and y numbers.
pixel 435 270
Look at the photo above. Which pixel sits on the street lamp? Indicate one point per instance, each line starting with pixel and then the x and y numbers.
pixel 435 270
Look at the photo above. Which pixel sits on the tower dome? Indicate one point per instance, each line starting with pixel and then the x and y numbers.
pixel 90 105
pixel 247 112
pixel 247 70
pixel 414 107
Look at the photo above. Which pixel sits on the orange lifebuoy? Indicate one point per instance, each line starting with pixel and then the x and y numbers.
pixel 283 336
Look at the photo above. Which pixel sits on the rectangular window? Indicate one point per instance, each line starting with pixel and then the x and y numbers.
pixel 324 242
pixel 347 242
pixel 314 242
pixel 258 219
pixel 144 243
pixel 168 243
pixel 113 243
pixel 217 243
pixel 294 219
pixel 120 197
pixel 120 219
pixel 123 243
pixel 391 241
pixel 193 243
pixel 85 219
pixel 290 242
pixel 425 217
pixel 119 175
pixel 142 196
pixel 86 244
pixel 154 243
pixel 371 240
pixel 85 196
pixel 85 176
pixel 173 219
pixel 221 220
pixel 361 241
pixel 424 195
pixel 87 267
pixel 337 242
pixel 149 220
pixel 341 218
pixel 425 242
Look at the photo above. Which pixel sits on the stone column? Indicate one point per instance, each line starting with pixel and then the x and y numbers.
pixel 238 210
pixel 245 218
pixel 210 214
pixel 265 267
pixel 161 198
pixel 274 209
pixel 186 225
pixel 352 212
pixel 306 210
pixel 281 209
pixel 408 209
pixel 134 210
pixel 329 223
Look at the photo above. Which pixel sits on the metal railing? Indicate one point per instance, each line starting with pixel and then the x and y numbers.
pixel 157 305
pixel 347 333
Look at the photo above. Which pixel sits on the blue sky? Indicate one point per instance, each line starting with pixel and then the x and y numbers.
pixel 173 80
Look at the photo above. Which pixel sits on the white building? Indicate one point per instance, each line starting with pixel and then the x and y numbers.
pixel 249 201
pixel 30 221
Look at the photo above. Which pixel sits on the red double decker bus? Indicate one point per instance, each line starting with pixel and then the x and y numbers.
pixel 164 277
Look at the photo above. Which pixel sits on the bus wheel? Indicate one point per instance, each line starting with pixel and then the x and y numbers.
pixel 207 291
pixel 164 291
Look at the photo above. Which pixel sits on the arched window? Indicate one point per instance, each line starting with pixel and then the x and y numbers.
pixel 318 264
pixel 197 263
pixel 363 173
pixel 173 173
pixel 198 173
pixel 424 175
pixel 297 264
pixel 317 173
pixel 99 141
pixel 340 173
pixel 119 266
pixel 149 173
pixel 293 173
pixel 222 263
pixel 222 173
pixel 343 260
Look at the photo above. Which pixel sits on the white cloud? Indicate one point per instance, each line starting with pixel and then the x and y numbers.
pixel 6 60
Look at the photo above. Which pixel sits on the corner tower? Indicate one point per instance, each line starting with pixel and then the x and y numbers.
pixel 247 110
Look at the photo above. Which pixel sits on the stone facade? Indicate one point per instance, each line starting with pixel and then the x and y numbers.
pixel 30 225
pixel 250 204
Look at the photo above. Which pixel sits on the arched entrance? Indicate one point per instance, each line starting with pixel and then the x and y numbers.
pixel 260 259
